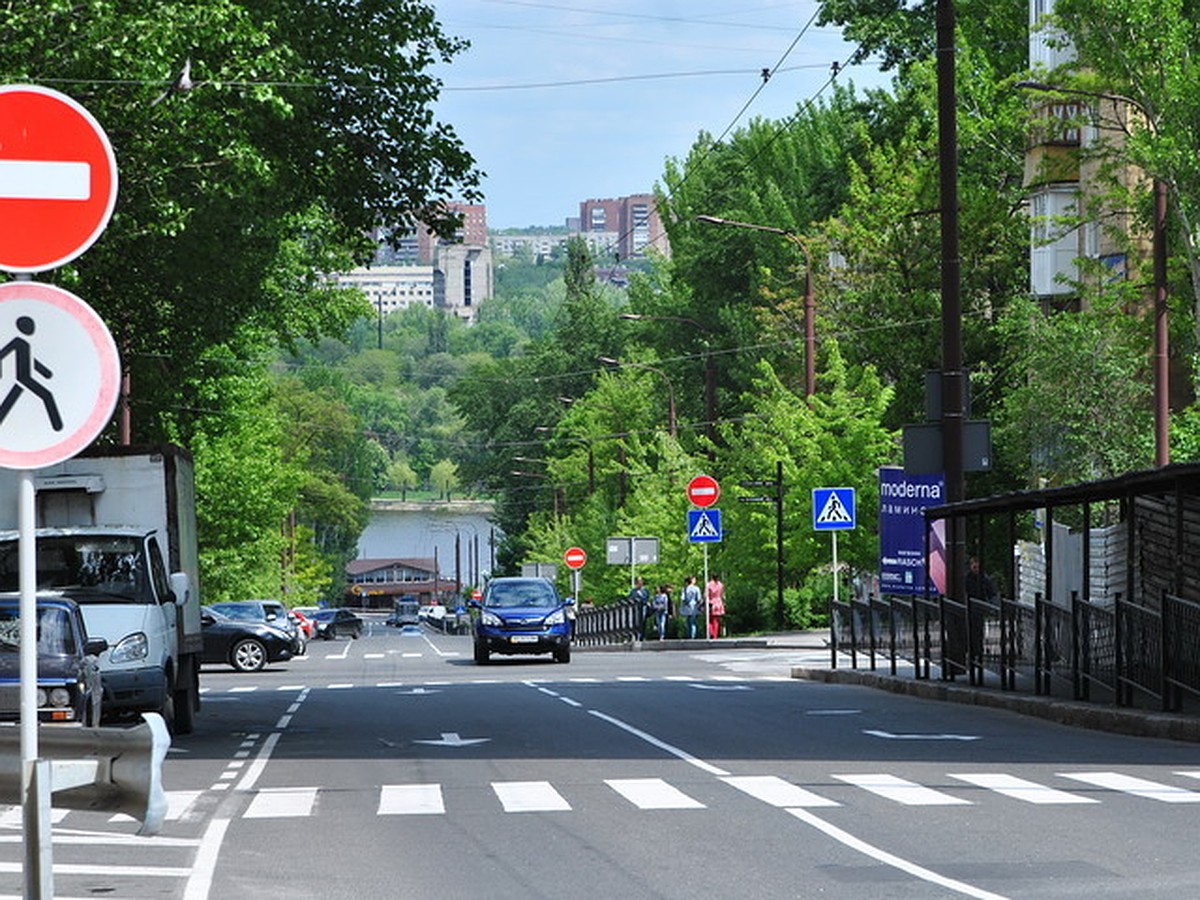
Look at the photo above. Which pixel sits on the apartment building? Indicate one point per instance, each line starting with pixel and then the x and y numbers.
pixel 634 220
pixel 1061 173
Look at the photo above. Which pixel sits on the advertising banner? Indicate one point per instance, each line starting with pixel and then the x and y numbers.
pixel 902 502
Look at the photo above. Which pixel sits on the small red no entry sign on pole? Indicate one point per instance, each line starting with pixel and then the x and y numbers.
pixel 703 491
pixel 575 558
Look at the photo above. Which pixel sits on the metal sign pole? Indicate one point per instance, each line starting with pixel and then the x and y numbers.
pixel 835 567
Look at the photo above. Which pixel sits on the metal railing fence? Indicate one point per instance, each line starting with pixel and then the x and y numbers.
pixel 1112 651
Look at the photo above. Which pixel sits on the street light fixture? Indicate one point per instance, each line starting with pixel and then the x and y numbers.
pixel 609 361
pixel 810 303
pixel 1162 412
pixel 710 369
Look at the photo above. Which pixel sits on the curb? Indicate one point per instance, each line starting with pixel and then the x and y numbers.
pixel 1118 720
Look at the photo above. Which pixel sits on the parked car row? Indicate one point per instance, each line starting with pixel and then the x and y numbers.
pixel 246 635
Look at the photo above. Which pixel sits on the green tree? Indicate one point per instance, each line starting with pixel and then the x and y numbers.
pixel 1147 52
pixel 401 477
pixel 444 477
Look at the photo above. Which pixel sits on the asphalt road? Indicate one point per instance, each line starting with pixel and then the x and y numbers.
pixel 392 766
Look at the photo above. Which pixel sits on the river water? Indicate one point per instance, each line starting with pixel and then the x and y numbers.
pixel 399 530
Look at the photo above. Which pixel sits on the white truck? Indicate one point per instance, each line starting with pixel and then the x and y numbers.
pixel 116 532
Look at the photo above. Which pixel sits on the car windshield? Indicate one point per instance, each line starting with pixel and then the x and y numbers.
pixel 55 637
pixel 530 594
pixel 107 567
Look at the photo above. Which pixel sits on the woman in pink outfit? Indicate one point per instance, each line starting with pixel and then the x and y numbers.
pixel 715 591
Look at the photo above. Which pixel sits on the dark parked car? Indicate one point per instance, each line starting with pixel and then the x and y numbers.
pixel 69 688
pixel 272 612
pixel 332 623
pixel 522 615
pixel 246 645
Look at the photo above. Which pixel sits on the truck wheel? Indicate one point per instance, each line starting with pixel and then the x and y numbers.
pixel 248 655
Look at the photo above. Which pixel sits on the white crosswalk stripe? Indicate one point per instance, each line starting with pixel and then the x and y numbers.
pixel 652 793
pixel 529 796
pixel 901 790
pixel 411 800
pixel 280 803
pixel 1021 789
pixel 1139 787
pixel 777 792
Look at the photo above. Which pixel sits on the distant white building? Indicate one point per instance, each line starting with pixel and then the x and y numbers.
pixel 393 288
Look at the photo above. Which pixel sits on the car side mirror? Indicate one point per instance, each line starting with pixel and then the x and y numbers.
pixel 474 604
pixel 570 601
pixel 181 588
pixel 95 646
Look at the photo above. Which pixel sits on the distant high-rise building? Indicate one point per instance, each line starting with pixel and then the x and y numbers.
pixel 633 220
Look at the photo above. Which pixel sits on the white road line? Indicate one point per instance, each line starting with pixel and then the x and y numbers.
pixel 291 687
pixel 652 793
pixel 340 686
pixel 889 859
pixel 200 880
pixel 279 803
pixel 777 792
pixel 1020 789
pixel 103 869
pixel 901 791
pixel 244 689
pixel 375 655
pixel 662 745
pixel 260 762
pixel 1138 787
pixel 411 800
pixel 529 796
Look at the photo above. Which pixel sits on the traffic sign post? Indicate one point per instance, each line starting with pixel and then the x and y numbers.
pixel 703 491
pixel 833 511
pixel 44 418
pixel 576 559
pixel 58 188
pixel 58 179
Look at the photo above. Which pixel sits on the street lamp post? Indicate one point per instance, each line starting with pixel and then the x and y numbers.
pixel 609 361
pixel 810 303
pixel 1162 407
pixel 710 369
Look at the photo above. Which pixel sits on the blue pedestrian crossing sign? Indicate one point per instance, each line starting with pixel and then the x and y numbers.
pixel 704 526
pixel 833 509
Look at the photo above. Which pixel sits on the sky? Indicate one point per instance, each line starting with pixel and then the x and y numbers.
pixel 561 101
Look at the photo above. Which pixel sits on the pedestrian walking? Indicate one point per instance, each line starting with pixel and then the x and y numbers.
pixel 639 596
pixel 715 592
pixel 662 608
pixel 689 604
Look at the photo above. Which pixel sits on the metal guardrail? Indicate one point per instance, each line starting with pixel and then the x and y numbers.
pixel 620 622
pixel 1111 651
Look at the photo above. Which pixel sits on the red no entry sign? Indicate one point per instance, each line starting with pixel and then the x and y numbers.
pixel 703 491
pixel 58 179
pixel 575 558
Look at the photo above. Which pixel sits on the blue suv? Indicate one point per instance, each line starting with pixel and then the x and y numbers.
pixel 522 615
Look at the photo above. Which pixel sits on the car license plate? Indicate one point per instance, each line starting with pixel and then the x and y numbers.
pixel 524 639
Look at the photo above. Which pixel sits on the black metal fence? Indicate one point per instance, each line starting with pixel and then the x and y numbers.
pixel 1118 652
pixel 614 623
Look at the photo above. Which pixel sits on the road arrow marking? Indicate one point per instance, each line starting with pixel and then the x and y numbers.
pixel 451 739
pixel 920 737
